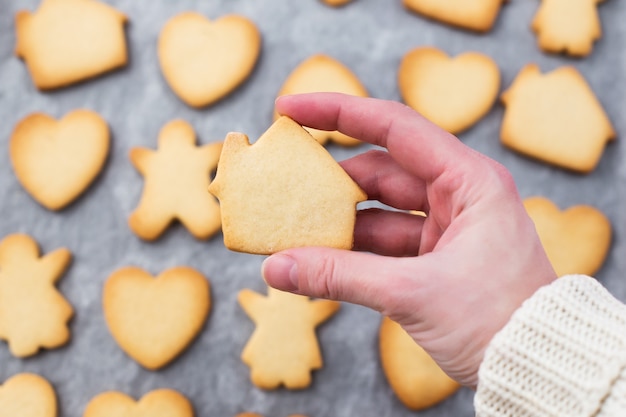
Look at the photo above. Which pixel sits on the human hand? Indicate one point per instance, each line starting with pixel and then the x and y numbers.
pixel 451 279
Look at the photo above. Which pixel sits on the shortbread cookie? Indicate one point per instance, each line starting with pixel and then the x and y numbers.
pixel 283 350
pixel 556 118
pixel 576 240
pixel 336 3
pixel 253 180
pixel 413 375
pixel 477 15
pixel 454 93
pixel 56 161
pixel 321 73
pixel 33 314
pixel 154 319
pixel 66 41
pixel 176 177
pixel 204 60
pixel 157 403
pixel 569 26
pixel 27 395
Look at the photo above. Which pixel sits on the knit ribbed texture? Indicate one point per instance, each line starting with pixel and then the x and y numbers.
pixel 563 353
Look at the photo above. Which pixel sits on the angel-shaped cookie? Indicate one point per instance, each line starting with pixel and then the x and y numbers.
pixel 33 314
pixel 177 177
pixel 569 26
pixel 283 348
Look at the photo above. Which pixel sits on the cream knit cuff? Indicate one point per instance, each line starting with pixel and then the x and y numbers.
pixel 563 353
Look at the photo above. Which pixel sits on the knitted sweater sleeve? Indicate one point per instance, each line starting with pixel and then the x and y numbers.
pixel 563 353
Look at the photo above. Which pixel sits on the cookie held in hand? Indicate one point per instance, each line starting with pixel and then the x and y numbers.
pixel 283 191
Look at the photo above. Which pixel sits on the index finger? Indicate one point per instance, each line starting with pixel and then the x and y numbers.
pixel 418 145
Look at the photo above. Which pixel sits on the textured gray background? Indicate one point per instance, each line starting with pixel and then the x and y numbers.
pixel 370 36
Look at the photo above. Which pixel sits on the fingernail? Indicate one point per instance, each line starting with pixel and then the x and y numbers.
pixel 279 271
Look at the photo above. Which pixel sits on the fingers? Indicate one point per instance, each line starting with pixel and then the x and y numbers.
pixel 418 145
pixel 388 233
pixel 384 180
pixel 354 277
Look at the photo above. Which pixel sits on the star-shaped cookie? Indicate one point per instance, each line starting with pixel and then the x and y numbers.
pixel 177 177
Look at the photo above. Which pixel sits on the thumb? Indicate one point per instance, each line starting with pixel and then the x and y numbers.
pixel 355 277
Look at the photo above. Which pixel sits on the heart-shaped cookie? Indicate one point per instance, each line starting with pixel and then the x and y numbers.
pixel 321 73
pixel 413 375
pixel 157 403
pixel 576 240
pixel 27 395
pixel 477 15
pixel 55 161
pixel 204 60
pixel 454 93
pixel 154 319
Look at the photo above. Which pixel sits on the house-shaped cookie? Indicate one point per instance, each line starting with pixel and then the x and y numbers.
pixel 556 118
pixel 283 191
pixel 67 41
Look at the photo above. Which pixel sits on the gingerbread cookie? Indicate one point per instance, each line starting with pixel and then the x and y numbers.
pixel 336 3
pixel 569 26
pixel 253 180
pixel 33 314
pixel 477 15
pixel 283 350
pixel 556 118
pixel 176 178
pixel 576 240
pixel 154 319
pixel 157 403
pixel 453 93
pixel 56 161
pixel 321 73
pixel 66 41
pixel 413 375
pixel 27 395
pixel 204 60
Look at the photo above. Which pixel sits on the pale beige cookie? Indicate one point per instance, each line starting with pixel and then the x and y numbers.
pixel 576 240
pixel 413 375
pixel 66 41
pixel 454 93
pixel 284 191
pixel 283 350
pixel 259 415
pixel 153 319
pixel 157 403
pixel 556 118
pixel 203 60
pixel 321 73
pixel 33 314
pixel 477 15
pixel 568 26
pixel 336 3
pixel 176 177
pixel 27 395
pixel 56 161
